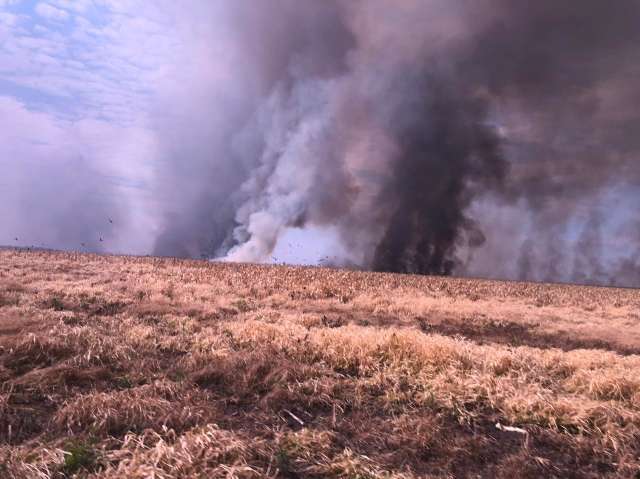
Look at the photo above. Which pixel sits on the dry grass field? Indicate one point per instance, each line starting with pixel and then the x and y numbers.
pixel 114 367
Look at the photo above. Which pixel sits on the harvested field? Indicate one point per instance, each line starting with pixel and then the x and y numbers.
pixel 116 367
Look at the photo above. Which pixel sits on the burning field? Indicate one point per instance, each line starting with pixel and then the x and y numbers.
pixel 146 367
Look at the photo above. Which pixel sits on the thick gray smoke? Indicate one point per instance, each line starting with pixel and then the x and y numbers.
pixel 423 131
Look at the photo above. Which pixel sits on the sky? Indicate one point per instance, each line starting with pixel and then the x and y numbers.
pixel 78 80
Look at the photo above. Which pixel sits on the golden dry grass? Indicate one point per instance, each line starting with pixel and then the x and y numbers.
pixel 144 367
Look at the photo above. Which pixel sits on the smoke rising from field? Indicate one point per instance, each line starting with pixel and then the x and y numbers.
pixel 405 125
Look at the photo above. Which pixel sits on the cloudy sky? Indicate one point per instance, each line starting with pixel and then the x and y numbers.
pixel 78 79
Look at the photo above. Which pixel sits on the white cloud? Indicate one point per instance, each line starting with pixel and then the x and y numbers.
pixel 8 19
pixel 73 5
pixel 51 13
pixel 110 62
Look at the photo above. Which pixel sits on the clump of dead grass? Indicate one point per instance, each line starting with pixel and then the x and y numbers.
pixel 36 351
pixel 160 405
pixel 206 452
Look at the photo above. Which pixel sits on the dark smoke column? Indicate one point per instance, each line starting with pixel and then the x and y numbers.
pixel 448 153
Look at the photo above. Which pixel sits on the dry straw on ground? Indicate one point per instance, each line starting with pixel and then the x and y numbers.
pixel 142 367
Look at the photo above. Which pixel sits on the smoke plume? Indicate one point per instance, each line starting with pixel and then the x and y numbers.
pixel 407 126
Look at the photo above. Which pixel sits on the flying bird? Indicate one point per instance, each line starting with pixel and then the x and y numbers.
pixel 101 239
pixel 110 220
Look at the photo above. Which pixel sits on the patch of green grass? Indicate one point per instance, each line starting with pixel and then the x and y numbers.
pixel 79 457
pixel 177 376
pixel 169 291
pixel 242 305
pixel 122 382
pixel 73 320
pixel 284 464
pixel 56 304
